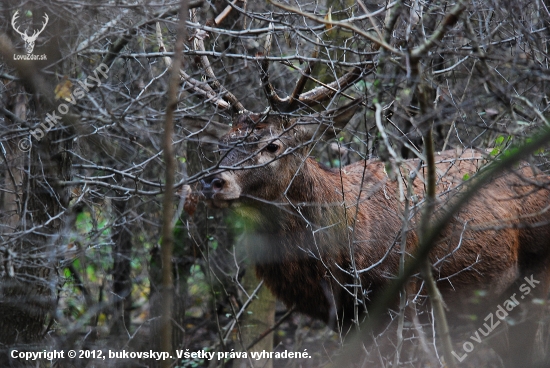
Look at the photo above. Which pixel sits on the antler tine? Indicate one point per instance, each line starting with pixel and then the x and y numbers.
pixel 16 29
pixel 201 88
pixel 310 98
pixel 205 91
pixel 198 44
pixel 327 91
pixel 277 103
pixel 295 95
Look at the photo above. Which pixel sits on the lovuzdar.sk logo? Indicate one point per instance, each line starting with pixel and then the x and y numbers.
pixel 29 39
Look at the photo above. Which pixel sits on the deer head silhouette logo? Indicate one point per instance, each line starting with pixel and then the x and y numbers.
pixel 29 40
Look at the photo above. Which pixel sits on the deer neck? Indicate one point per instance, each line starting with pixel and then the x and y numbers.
pixel 313 200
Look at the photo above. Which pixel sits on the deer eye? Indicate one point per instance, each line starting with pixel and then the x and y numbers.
pixel 271 147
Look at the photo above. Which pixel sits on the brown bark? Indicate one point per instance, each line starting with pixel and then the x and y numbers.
pixel 122 282
pixel 259 316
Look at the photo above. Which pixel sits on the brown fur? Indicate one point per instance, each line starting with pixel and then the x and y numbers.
pixel 314 225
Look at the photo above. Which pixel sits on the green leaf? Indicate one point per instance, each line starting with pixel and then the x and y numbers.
pixel 466 177
pixel 91 272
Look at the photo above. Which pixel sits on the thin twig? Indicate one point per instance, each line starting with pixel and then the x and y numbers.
pixel 450 20
pixel 343 24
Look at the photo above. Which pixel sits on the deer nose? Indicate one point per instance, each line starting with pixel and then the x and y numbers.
pixel 211 186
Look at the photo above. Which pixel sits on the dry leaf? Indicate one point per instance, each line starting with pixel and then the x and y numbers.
pixel 200 34
pixel 191 199
pixel 63 89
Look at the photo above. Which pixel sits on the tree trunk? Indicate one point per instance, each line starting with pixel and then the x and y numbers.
pixel 259 317
pixel 28 283
pixel 122 282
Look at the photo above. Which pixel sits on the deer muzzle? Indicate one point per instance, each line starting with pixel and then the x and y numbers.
pixel 221 190
pixel 211 186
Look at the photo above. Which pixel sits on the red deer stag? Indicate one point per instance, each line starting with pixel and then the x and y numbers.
pixel 328 239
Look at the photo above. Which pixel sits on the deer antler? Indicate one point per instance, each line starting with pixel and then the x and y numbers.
pixel 277 103
pixel 198 44
pixel 287 104
pixel 327 91
pixel 310 98
pixel 201 88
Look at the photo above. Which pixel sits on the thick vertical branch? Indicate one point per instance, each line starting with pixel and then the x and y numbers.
pixel 402 257
pixel 259 317
pixel 122 281
pixel 436 299
pixel 168 205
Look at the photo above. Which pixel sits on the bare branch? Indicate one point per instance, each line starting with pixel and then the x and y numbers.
pixel 342 24
pixel 450 19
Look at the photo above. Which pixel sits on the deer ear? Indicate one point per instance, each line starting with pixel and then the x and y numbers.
pixel 329 123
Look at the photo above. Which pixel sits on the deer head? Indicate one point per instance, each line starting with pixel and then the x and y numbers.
pixel 273 144
pixel 29 40
pixel 274 147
